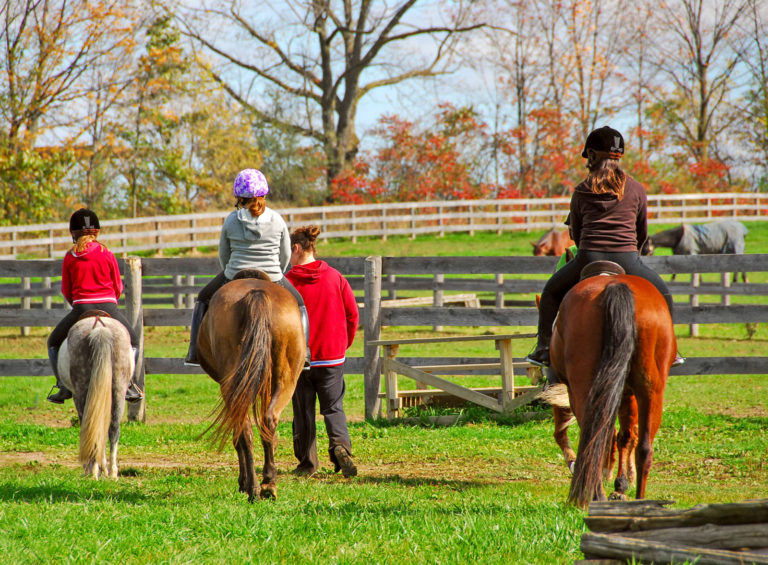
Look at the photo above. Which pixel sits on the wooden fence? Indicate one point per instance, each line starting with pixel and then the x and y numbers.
pixel 191 231
pixel 160 292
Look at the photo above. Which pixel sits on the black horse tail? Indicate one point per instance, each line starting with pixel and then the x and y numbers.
pixel 249 387
pixel 602 406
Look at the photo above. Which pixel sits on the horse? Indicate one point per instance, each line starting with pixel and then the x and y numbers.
pixel 553 243
pixel 617 368
pixel 726 236
pixel 96 363
pixel 251 342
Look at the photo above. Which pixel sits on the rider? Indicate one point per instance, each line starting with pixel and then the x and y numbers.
pixel 608 221
pixel 253 237
pixel 90 280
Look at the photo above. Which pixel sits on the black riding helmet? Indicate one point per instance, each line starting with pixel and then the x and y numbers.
pixel 84 219
pixel 82 222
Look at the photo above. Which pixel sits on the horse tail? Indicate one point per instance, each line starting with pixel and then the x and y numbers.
pixel 249 387
pixel 602 405
pixel 97 413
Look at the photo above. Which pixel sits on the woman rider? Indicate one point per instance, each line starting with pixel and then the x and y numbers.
pixel 253 237
pixel 608 220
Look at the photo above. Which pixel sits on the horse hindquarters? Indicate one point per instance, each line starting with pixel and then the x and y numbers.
pixel 605 393
pixel 97 409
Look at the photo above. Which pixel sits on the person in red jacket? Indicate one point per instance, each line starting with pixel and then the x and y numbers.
pixel 90 280
pixel 333 322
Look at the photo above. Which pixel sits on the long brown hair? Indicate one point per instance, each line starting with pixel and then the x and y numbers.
pixel 255 206
pixel 607 177
pixel 305 237
pixel 83 238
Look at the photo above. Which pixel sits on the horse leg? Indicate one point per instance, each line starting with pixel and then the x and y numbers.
pixel 268 486
pixel 247 477
pixel 649 420
pixel 563 418
pixel 626 440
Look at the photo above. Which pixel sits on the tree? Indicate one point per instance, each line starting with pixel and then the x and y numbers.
pixel 696 58
pixel 328 55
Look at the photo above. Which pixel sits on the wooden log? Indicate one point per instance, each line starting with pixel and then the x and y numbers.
pixel 136 411
pixel 619 547
pixel 712 536
pixel 749 512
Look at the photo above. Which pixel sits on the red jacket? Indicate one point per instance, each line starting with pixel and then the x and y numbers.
pixel 91 276
pixel 332 310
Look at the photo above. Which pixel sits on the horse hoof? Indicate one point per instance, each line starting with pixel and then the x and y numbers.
pixel 268 492
pixel 617 496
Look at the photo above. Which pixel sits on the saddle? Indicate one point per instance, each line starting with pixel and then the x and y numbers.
pixel 605 268
pixel 97 314
pixel 251 274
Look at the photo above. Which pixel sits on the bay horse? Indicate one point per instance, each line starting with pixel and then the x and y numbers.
pixel 553 243
pixel 96 363
pixel 251 342
pixel 612 346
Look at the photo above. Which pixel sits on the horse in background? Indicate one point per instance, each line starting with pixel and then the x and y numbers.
pixel 726 236
pixel 251 342
pixel 553 243
pixel 96 364
pixel 612 347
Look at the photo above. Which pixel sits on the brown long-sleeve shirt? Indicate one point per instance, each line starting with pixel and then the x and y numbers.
pixel 602 222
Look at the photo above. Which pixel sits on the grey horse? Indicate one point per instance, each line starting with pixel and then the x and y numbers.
pixel 96 364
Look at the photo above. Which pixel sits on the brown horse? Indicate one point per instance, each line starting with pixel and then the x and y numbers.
pixel 612 346
pixel 251 342
pixel 553 243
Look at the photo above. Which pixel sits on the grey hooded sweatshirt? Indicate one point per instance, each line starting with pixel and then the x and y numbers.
pixel 255 243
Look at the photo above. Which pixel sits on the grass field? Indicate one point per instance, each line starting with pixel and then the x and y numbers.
pixel 484 490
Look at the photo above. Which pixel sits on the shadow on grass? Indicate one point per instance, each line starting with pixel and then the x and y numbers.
pixel 64 494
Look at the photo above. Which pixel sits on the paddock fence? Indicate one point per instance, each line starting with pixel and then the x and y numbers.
pixel 161 292
pixel 159 234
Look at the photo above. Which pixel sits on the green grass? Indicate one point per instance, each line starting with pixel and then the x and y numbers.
pixel 484 490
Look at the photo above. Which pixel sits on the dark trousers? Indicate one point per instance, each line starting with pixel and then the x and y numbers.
pixel 220 280
pixel 59 333
pixel 564 279
pixel 327 385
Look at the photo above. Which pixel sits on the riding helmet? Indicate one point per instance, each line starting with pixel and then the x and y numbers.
pixel 605 139
pixel 250 183
pixel 84 219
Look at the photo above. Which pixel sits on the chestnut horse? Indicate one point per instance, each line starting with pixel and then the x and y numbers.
pixel 252 343
pixel 612 346
pixel 553 243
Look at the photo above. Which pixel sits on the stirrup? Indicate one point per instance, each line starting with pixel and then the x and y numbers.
pixel 59 397
pixel 679 360
pixel 133 393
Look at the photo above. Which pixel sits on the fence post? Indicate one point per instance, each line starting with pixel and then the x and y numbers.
pixel 437 296
pixel 695 283
pixel 353 219
pixel 158 240
pixel 413 222
pixel 498 218
pixel 499 290
pixel 26 301
pixel 383 224
pixel 471 220
pixel 136 411
pixel 372 332
pixel 51 250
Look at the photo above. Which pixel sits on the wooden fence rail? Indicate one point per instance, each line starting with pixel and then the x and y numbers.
pixel 191 231
pixel 160 292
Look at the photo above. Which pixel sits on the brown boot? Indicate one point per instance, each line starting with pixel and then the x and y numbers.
pixel 344 462
pixel 539 356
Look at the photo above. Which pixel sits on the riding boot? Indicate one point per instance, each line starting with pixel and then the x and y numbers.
pixel 305 327
pixel 547 314
pixel 197 318
pixel 64 393
pixel 679 359
pixel 134 393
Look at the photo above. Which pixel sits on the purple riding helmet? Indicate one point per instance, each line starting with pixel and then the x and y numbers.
pixel 250 183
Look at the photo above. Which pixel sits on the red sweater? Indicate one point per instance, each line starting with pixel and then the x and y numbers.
pixel 332 310
pixel 91 276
